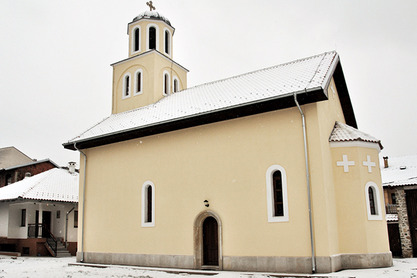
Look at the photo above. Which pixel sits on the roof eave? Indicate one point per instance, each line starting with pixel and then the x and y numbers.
pixel 228 113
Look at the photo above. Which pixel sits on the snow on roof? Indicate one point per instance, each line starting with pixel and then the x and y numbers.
pixel 152 15
pixel 401 171
pixel 258 86
pixel 53 185
pixel 344 133
pixel 32 163
pixel 391 217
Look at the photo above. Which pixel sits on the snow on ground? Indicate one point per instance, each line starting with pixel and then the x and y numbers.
pixel 22 267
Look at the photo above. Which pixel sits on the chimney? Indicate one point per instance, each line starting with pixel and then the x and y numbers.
pixel 385 161
pixel 71 167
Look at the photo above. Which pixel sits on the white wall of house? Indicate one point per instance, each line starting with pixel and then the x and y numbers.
pixel 4 218
pixel 58 218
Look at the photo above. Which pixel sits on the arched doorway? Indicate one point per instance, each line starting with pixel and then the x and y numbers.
pixel 208 241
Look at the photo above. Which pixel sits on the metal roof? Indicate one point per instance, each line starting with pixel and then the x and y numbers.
pixel 53 185
pixel 302 77
pixel 345 133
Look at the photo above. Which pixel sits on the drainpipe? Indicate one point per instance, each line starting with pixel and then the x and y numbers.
pixel 313 252
pixel 66 226
pixel 83 205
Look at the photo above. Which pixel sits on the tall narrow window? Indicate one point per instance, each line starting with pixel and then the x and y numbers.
pixel 126 86
pixel 371 196
pixel 136 39
pixel 152 38
pixel 278 201
pixel 166 87
pixel 373 202
pixel 148 204
pixel 176 85
pixel 23 218
pixel 138 82
pixel 276 191
pixel 167 41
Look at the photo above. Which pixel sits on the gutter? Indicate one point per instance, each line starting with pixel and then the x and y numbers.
pixel 83 205
pixel 313 252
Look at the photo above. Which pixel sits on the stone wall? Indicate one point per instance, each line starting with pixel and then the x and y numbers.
pixel 403 225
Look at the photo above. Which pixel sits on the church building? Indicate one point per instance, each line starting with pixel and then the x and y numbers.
pixel 265 171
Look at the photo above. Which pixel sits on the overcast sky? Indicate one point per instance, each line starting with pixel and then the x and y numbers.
pixel 55 56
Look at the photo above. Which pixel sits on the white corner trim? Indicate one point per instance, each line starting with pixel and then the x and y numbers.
pixel 377 199
pixel 144 204
pixel 345 163
pixel 270 195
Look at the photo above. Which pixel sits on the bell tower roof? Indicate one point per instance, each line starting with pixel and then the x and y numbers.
pixel 151 15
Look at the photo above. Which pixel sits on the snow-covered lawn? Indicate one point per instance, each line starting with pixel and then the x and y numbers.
pixel 59 267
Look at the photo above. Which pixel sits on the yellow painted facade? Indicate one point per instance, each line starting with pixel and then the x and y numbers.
pixel 226 163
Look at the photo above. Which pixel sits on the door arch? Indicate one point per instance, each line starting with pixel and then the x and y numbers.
pixel 208 241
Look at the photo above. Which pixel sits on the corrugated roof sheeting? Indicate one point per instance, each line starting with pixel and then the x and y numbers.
pixel 261 85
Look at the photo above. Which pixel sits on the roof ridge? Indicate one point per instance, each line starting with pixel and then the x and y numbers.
pixel 263 69
pixel 46 174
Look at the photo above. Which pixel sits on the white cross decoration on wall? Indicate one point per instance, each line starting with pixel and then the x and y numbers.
pixel 345 163
pixel 368 163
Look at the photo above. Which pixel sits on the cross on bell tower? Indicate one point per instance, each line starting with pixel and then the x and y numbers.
pixel 151 7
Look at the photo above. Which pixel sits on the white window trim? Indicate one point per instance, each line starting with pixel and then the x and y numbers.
pixel 136 92
pixel 124 86
pixel 169 43
pixel 378 215
pixel 163 83
pixel 133 39
pixel 270 195
pixel 145 205
pixel 178 83
pixel 147 35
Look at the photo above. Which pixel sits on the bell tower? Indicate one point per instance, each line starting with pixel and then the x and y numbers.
pixel 149 73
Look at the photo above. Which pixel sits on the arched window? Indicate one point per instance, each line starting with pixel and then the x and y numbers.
pixel 152 37
pixel 148 204
pixel 166 84
pixel 138 82
pixel 136 40
pixel 176 85
pixel 276 185
pixel 126 86
pixel 373 203
pixel 167 42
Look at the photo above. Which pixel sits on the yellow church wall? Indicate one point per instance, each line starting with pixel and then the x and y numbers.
pixel 207 168
pixel 356 232
pixel 323 196
pixel 153 66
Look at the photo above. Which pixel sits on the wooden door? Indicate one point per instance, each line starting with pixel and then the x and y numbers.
pixel 394 239
pixel 411 198
pixel 46 223
pixel 210 242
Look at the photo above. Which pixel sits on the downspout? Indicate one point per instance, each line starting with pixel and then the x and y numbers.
pixel 66 226
pixel 313 252
pixel 83 205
